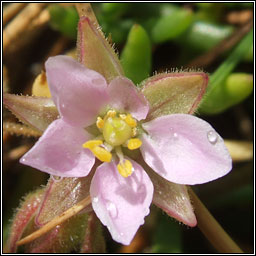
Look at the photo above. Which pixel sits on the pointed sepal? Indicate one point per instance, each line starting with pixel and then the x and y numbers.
pixel 37 112
pixel 170 93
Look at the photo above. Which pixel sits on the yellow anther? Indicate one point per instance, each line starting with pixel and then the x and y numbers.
pixel 100 122
pixel 134 143
pixel 111 113
pixel 102 154
pixel 125 168
pixel 122 116
pixel 92 143
pixel 134 132
pixel 130 121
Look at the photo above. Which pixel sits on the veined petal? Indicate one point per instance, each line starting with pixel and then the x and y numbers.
pixel 185 149
pixel 59 151
pixel 172 198
pixel 125 96
pixel 79 93
pixel 121 203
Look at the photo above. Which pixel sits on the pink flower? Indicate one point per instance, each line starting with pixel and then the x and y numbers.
pixel 102 120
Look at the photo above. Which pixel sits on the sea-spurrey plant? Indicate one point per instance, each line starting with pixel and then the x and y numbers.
pixel 132 145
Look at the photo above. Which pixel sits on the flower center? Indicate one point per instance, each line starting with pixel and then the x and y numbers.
pixel 116 131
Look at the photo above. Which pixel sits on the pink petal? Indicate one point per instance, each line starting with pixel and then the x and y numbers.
pixel 59 151
pixel 125 97
pixel 185 149
pixel 121 203
pixel 79 93
pixel 172 198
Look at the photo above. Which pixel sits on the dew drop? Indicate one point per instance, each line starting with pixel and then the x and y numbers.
pixel 111 207
pixel 175 135
pixel 212 137
pixel 121 234
pixel 95 199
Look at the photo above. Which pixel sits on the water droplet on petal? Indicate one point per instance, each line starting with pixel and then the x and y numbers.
pixel 212 137
pixel 111 207
pixel 121 234
pixel 175 135
pixel 95 199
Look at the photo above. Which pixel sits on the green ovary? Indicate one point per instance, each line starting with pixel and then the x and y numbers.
pixel 116 131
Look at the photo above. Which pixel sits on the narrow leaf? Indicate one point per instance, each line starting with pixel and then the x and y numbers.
pixel 136 55
pixel 217 79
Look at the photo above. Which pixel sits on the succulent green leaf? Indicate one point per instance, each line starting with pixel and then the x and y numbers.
pixel 170 93
pixel 95 52
pixel 64 19
pixel 136 55
pixel 202 35
pixel 215 100
pixel 37 112
pixel 236 88
pixel 172 25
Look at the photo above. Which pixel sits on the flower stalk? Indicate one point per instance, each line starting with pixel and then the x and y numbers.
pixel 216 235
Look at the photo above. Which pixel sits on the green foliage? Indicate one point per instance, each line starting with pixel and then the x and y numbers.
pixel 167 236
pixel 64 19
pixel 136 55
pixel 171 25
pixel 222 92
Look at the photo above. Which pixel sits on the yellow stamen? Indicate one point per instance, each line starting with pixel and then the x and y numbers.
pixel 134 143
pixel 122 116
pixel 111 113
pixel 125 168
pixel 130 121
pixel 92 143
pixel 134 132
pixel 102 154
pixel 100 122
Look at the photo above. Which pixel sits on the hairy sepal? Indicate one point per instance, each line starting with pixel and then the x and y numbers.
pixel 95 52
pixel 22 219
pixel 37 112
pixel 178 92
